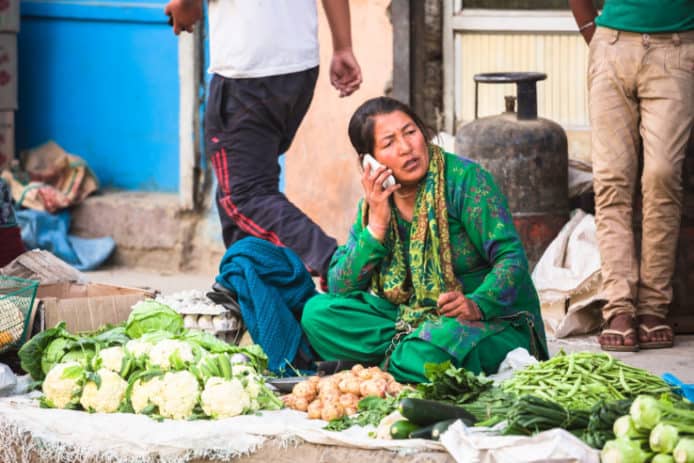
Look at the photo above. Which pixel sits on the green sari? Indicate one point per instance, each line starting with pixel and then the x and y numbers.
pixel 382 302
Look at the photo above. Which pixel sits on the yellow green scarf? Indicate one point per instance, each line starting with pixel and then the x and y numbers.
pixel 416 288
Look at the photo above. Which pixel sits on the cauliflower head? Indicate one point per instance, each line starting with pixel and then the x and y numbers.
pixel 161 353
pixel 242 370
pixel 138 348
pixel 252 386
pixel 224 398
pixel 145 393
pixel 107 397
pixel 63 384
pixel 111 358
pixel 179 395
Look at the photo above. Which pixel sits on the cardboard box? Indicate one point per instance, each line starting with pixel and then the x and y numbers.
pixel 6 138
pixel 9 16
pixel 87 307
pixel 8 71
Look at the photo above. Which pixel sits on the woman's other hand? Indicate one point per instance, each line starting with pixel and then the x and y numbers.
pixel 454 304
pixel 377 198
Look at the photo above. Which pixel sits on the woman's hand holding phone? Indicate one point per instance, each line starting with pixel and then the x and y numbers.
pixel 379 184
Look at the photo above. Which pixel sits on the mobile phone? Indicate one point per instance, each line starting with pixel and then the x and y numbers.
pixel 371 161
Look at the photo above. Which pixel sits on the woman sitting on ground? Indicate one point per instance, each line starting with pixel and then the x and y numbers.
pixel 433 269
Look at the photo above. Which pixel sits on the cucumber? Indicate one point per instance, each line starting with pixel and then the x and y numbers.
pixel 402 429
pixel 441 427
pixel 423 432
pixel 425 412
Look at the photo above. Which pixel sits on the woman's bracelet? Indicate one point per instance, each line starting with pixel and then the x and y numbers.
pixel 586 26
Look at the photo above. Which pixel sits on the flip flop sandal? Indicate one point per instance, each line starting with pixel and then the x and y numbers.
pixel 621 347
pixel 656 344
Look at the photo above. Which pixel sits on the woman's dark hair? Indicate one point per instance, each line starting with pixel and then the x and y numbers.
pixel 361 125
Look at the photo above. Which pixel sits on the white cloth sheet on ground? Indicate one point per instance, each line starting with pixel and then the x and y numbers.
pixel 76 436
pixel 555 445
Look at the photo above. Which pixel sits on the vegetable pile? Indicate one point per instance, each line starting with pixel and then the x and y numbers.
pixel 581 380
pixel 338 395
pixel 584 393
pixel 655 430
pixel 150 365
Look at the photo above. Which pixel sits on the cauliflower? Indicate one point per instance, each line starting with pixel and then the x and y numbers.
pixel 253 388
pixel 62 385
pixel 224 398
pixel 107 397
pixel 145 393
pixel 111 358
pixel 179 395
pixel 242 370
pixel 161 353
pixel 138 348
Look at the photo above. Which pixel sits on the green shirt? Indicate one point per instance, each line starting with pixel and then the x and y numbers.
pixel 650 16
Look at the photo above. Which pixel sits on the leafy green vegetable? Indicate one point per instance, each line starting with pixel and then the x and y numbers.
pixel 81 353
pixel 113 336
pixel 450 384
pixel 56 350
pixel 149 315
pixel 602 418
pixel 371 410
pixel 32 353
pixel 258 358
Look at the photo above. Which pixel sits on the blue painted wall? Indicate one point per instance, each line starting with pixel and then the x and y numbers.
pixel 101 79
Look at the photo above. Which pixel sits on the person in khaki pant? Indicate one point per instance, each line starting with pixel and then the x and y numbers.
pixel 641 85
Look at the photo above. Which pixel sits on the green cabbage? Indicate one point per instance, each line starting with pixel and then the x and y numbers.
pixel 45 349
pixel 150 315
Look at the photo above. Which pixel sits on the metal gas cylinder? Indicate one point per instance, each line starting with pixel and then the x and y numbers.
pixel 528 157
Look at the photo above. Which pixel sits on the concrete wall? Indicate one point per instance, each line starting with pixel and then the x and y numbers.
pixel 322 176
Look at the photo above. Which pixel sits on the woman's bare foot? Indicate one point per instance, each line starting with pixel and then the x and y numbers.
pixel 619 334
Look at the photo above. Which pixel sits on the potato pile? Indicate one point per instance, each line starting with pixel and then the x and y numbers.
pixel 332 397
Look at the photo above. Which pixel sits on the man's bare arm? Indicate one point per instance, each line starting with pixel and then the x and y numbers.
pixel 584 13
pixel 183 14
pixel 345 73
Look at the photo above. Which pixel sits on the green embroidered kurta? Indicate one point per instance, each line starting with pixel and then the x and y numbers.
pixel 489 262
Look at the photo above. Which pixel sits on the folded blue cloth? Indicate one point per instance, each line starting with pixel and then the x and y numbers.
pixel 272 286
pixel 42 230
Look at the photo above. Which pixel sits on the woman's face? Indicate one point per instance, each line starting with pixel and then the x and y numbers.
pixel 400 145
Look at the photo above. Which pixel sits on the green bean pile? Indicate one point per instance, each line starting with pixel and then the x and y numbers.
pixel 579 381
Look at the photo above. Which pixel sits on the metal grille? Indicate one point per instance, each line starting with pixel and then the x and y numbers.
pixel 16 301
